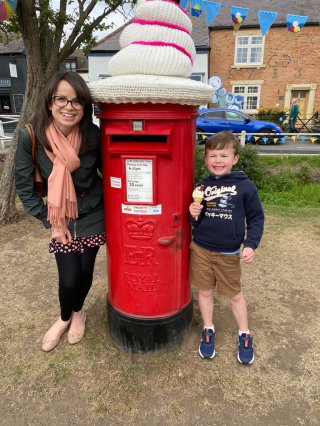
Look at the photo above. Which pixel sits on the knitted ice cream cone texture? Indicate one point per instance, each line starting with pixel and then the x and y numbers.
pixel 158 42
pixel 156 57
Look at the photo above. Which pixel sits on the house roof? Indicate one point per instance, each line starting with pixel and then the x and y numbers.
pixel 110 43
pixel 308 8
pixel 13 46
pixel 81 58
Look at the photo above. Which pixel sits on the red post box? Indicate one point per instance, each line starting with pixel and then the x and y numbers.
pixel 148 163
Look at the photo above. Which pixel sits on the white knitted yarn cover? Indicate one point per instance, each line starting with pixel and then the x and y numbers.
pixel 137 31
pixel 163 11
pixel 144 59
pixel 150 88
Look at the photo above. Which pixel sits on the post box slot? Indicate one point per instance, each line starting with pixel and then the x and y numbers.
pixel 139 138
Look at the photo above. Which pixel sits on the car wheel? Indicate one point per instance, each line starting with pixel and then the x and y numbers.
pixel 269 141
pixel 201 137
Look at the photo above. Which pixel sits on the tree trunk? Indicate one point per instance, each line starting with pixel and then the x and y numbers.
pixel 34 91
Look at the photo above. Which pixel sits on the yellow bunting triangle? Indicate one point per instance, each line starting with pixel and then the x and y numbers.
pixel 204 137
pixel 313 140
pixel 294 137
pixel 275 140
pixel 256 138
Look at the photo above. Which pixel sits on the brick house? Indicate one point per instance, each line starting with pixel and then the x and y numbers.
pixel 273 69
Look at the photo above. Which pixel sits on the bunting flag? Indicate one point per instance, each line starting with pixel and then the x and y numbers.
pixel 296 22
pixel 212 10
pixel 184 3
pixel 275 140
pixel 303 138
pixel 238 15
pixel 313 140
pixel 265 139
pixel 7 8
pixel 294 138
pixel 196 8
pixel 256 138
pixel 266 19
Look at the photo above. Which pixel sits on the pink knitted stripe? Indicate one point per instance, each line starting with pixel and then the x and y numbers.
pixel 178 5
pixel 162 43
pixel 161 23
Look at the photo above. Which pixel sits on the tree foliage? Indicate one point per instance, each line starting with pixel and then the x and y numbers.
pixel 50 35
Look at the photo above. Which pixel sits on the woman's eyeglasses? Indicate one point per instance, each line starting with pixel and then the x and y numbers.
pixel 62 101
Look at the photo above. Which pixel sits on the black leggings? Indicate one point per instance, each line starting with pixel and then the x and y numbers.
pixel 75 279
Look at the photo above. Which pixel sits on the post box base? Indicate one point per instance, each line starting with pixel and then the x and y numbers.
pixel 141 335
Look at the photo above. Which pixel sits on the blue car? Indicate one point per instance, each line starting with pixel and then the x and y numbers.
pixel 218 119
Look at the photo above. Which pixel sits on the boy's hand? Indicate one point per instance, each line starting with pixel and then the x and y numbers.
pixel 195 209
pixel 247 255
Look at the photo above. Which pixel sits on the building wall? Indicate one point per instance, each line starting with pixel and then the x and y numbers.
pixel 291 63
pixel 12 87
pixel 98 65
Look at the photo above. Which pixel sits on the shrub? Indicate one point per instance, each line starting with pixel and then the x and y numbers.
pixel 250 163
pixel 277 115
pixel 304 174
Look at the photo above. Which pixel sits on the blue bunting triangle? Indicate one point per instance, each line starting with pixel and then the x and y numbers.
pixel 184 3
pixel 266 19
pixel 212 10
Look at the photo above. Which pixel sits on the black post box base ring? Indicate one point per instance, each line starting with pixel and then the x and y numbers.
pixel 141 335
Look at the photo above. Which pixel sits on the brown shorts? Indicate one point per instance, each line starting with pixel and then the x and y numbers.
pixel 210 269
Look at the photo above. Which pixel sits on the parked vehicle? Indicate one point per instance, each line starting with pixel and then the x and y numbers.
pixel 218 119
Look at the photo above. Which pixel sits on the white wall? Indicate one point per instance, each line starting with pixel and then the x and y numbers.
pixel 200 65
pixel 98 65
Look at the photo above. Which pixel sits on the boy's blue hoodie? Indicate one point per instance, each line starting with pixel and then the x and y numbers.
pixel 232 214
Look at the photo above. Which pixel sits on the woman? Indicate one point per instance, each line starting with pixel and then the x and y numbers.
pixel 68 148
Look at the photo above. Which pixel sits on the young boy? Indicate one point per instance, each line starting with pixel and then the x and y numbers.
pixel 230 215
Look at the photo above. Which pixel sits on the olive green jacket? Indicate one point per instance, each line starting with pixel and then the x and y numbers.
pixel 86 180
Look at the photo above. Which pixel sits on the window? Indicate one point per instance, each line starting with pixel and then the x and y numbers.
pixel 234 116
pixel 249 50
pixel 197 77
pixel 71 65
pixel 251 95
pixel 214 115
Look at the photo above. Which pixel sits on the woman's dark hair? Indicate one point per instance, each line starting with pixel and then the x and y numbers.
pixel 42 117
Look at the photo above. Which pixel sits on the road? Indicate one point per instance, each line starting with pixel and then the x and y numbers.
pixel 291 147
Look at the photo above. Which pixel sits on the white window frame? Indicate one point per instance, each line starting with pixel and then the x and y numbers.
pixel 249 46
pixel 246 94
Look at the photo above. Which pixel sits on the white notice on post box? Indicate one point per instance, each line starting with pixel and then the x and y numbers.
pixel 139 180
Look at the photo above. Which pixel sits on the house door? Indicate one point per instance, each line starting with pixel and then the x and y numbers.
pixel 302 96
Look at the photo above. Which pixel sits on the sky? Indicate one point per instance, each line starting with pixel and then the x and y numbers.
pixel 117 18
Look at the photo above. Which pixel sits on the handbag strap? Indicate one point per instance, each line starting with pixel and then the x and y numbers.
pixel 33 141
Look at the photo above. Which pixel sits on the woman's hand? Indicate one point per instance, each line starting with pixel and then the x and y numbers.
pixel 195 209
pixel 61 235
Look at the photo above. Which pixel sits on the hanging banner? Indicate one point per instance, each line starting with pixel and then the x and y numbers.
pixel 7 8
pixel 184 3
pixel 296 22
pixel 266 19
pixel 212 10
pixel 196 8
pixel 238 15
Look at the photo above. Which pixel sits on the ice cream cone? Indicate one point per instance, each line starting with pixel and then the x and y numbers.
pixel 198 195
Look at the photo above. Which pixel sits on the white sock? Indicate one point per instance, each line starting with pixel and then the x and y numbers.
pixel 244 332
pixel 209 327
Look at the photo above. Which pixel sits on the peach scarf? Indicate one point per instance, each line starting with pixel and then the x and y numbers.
pixel 62 199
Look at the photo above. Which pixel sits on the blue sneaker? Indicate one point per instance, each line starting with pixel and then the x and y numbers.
pixel 245 353
pixel 206 348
